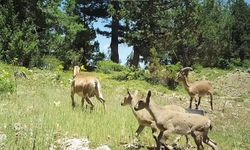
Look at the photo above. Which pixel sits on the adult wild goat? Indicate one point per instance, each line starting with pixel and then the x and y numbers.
pixel 170 122
pixel 196 89
pixel 143 116
pixel 85 87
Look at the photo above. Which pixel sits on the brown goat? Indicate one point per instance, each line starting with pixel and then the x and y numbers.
pixel 196 89
pixel 179 123
pixel 143 116
pixel 85 87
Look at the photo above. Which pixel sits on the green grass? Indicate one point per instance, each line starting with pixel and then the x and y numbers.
pixel 35 107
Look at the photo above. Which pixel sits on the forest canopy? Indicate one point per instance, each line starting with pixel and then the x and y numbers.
pixel 211 33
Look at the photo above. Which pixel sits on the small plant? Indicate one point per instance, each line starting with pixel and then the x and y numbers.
pixel 131 74
pixel 51 63
pixel 246 63
pixel 223 63
pixel 197 67
pixel 6 84
pixel 109 67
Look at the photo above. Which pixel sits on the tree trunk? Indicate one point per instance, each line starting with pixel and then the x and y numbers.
pixel 136 56
pixel 242 55
pixel 114 35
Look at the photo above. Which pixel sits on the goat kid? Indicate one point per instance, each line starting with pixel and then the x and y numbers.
pixel 86 87
pixel 179 123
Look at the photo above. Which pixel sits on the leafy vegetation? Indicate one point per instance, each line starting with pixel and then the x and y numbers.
pixel 109 67
pixel 209 33
pixel 7 85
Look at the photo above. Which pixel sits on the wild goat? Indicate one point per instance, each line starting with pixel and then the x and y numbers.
pixel 196 89
pixel 176 122
pixel 85 87
pixel 143 116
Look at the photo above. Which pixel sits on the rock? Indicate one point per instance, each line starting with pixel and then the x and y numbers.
pixel 73 144
pixel 133 145
pixel 248 70
pixel 3 137
pixel 104 147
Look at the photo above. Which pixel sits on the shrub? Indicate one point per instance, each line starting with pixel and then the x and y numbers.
pixel 223 63
pixel 197 67
pixel 109 67
pixel 131 74
pixel 246 63
pixel 156 74
pixel 6 84
pixel 236 62
pixel 52 63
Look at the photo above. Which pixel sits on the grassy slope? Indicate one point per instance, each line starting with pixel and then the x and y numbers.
pixel 41 107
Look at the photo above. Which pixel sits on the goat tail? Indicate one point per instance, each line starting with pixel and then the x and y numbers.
pixel 98 89
pixel 97 85
pixel 211 126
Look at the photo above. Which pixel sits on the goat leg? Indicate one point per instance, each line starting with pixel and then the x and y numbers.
pixel 198 104
pixel 82 102
pixel 163 138
pixel 139 130
pixel 191 100
pixel 89 102
pixel 211 100
pixel 102 101
pixel 73 101
pixel 198 140
pixel 158 143
pixel 209 142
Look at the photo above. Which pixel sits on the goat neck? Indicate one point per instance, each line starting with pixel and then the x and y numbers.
pixel 186 83
pixel 133 103
pixel 154 110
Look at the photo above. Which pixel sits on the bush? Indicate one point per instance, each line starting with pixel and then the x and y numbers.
pixel 154 75
pixel 52 63
pixel 109 67
pixel 197 67
pixel 6 84
pixel 236 62
pixel 131 74
pixel 246 64
pixel 223 63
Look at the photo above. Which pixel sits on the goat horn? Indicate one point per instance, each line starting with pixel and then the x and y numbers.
pixel 186 69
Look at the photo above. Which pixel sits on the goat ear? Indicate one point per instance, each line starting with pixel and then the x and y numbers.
pixel 148 96
pixel 129 93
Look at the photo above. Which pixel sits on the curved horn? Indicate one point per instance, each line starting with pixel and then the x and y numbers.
pixel 186 70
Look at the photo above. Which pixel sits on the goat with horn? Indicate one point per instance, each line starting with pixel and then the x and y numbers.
pixel 196 89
